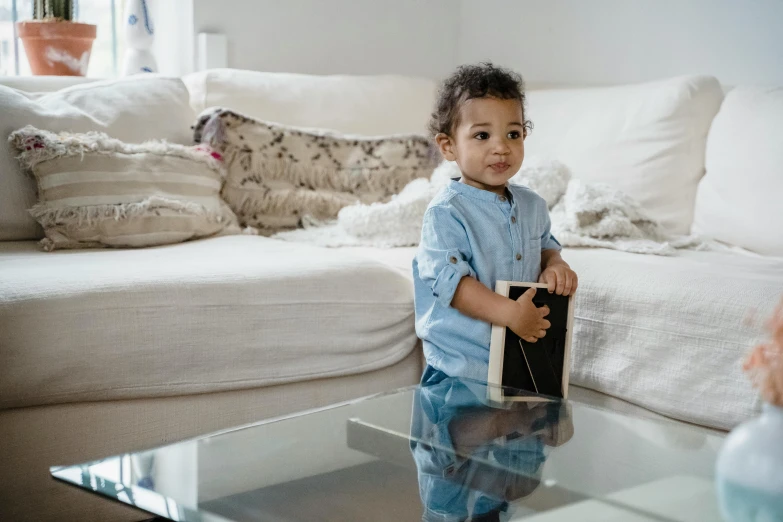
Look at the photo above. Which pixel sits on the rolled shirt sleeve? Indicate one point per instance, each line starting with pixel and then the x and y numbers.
pixel 444 253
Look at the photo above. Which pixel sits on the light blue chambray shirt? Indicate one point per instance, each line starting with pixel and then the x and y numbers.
pixel 473 232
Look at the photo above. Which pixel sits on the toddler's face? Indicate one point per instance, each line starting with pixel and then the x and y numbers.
pixel 488 143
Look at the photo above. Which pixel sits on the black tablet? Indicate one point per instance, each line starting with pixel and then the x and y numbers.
pixel 537 369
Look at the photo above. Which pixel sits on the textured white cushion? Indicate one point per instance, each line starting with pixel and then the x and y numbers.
pixel 133 110
pixel 367 105
pixel 668 333
pixel 740 199
pixel 398 259
pixel 665 333
pixel 646 140
pixel 218 314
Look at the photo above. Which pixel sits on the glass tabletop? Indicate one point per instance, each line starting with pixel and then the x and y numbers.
pixel 455 450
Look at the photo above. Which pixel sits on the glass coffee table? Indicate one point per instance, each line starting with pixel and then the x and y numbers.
pixel 440 452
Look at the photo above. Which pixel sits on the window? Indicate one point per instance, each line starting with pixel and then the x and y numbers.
pixel 106 50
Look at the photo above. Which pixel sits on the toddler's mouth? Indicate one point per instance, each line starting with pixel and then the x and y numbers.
pixel 500 167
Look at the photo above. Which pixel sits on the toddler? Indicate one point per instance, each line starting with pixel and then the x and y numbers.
pixel 479 229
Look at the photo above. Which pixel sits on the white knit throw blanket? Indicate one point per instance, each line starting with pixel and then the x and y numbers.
pixel 583 215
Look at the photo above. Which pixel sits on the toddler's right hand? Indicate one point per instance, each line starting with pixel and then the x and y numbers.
pixel 528 322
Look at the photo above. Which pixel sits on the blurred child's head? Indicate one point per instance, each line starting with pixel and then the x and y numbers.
pixel 479 122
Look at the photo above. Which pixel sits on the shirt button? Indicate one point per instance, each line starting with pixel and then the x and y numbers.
pixel 502 198
pixel 513 219
pixel 453 260
pixel 519 257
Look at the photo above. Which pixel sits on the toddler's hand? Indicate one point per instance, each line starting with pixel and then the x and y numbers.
pixel 528 321
pixel 559 279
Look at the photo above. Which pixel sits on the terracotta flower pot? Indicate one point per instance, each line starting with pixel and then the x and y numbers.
pixel 57 47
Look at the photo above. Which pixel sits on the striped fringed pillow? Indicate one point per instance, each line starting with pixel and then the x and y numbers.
pixel 95 191
pixel 278 176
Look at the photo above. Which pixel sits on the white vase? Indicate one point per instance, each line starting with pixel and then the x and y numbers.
pixel 139 37
pixel 749 470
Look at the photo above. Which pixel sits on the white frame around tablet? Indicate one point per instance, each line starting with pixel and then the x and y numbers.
pixel 498 342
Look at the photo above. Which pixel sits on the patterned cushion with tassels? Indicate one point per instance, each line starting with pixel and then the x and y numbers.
pixel 279 176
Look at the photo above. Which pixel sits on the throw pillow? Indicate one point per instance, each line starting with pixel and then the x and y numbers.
pixel 278 175
pixel 94 190
pixel 133 109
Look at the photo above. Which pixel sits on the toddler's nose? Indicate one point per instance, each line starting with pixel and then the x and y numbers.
pixel 501 148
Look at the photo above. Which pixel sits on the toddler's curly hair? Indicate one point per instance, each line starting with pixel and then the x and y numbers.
pixel 475 81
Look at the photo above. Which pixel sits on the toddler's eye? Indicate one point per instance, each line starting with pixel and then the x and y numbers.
pixel 514 135
pixel 482 136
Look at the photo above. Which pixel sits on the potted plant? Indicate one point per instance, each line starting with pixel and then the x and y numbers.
pixel 53 42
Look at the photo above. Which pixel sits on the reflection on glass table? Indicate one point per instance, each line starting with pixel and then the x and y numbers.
pixel 439 452
pixel 473 459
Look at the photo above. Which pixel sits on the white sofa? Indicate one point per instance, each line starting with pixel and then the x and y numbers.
pixel 104 351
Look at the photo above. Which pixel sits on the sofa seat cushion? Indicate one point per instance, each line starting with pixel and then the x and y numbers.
pixel 397 259
pixel 670 333
pixel 665 333
pixel 218 314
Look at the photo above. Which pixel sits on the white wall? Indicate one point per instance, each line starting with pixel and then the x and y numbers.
pixel 565 42
pixel 412 37
pixel 617 41
pixel 174 42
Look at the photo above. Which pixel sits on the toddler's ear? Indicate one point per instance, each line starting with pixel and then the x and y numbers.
pixel 446 146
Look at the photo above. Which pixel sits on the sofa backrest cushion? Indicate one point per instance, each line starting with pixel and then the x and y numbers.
pixel 740 199
pixel 43 83
pixel 134 110
pixel 645 139
pixel 364 105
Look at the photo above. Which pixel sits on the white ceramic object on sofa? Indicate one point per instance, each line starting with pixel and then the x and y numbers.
pixel 139 36
pixel 749 470
pixel 740 199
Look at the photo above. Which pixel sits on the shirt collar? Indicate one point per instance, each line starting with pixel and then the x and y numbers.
pixel 477 193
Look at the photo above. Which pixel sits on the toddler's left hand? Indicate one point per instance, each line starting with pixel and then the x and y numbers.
pixel 560 279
